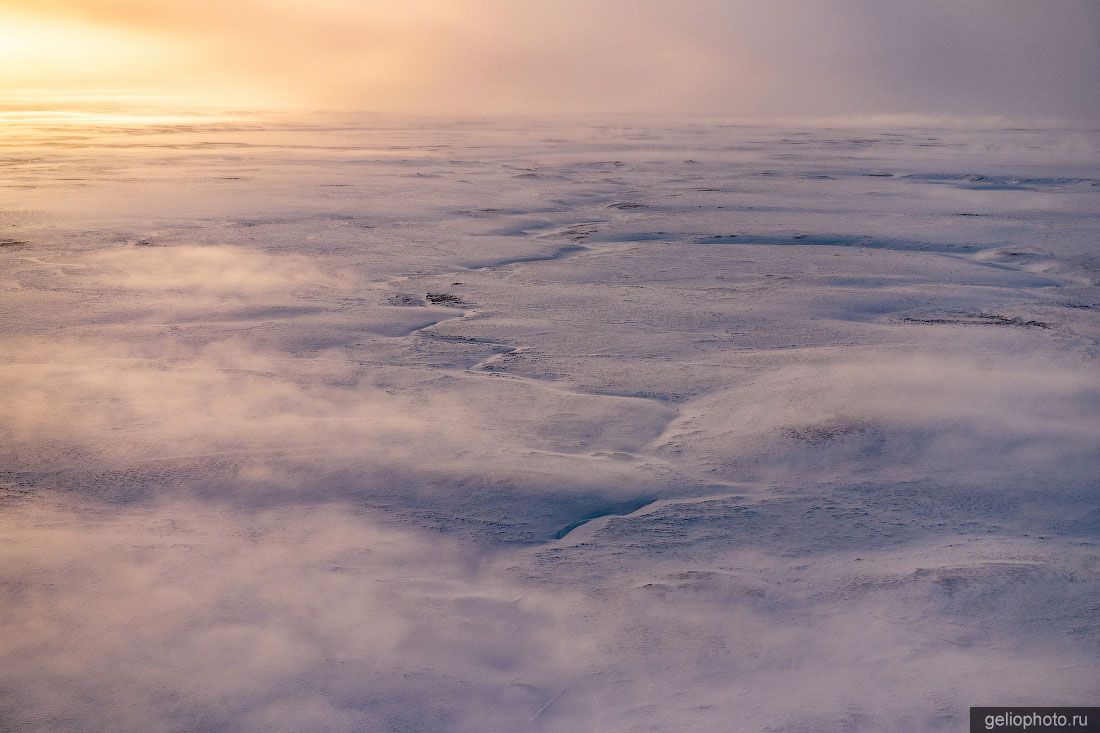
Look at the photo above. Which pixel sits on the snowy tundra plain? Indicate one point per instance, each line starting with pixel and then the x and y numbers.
pixel 356 424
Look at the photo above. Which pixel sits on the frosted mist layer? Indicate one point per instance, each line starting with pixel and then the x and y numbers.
pixel 346 424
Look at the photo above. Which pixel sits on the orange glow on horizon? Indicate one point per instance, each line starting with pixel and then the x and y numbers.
pixel 48 53
pixel 728 58
pixel 78 68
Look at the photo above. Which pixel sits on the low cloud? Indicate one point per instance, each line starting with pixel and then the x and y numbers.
pixel 940 417
pixel 180 616
pixel 227 272
pixel 183 617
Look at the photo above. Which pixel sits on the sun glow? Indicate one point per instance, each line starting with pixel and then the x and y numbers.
pixel 53 53
pixel 732 58
pixel 65 69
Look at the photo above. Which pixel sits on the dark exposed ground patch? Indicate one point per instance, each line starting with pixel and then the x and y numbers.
pixel 824 432
pixel 840 240
pixel 997 182
pixel 976 319
pixel 405 299
pixel 449 300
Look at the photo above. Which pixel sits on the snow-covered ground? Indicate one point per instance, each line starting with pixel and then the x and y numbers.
pixel 367 424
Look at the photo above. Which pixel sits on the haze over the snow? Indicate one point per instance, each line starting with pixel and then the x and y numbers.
pixel 510 412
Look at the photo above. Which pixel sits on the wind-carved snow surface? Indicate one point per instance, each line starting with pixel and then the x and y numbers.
pixel 344 424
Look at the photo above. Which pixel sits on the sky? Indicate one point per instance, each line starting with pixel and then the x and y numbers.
pixel 1017 59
